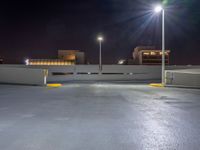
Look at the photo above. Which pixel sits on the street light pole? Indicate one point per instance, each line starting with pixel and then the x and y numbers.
pixel 100 57
pixel 163 46
pixel 100 39
pixel 157 10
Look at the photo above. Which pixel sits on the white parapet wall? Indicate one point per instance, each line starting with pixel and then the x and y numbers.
pixel 26 76
pixel 183 78
pixel 108 73
pixel 132 73
pixel 138 73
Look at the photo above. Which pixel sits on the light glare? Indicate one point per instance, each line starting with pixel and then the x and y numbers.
pixel 121 61
pixel 158 9
pixel 100 38
pixel 27 61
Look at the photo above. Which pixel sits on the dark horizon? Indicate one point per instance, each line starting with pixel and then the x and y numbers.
pixel 37 29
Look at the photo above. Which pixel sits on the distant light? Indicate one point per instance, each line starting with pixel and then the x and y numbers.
pixel 153 53
pixel 100 38
pixel 146 53
pixel 158 8
pixel 121 62
pixel 27 61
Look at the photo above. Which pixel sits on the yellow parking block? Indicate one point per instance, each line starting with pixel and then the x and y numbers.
pixel 54 85
pixel 157 85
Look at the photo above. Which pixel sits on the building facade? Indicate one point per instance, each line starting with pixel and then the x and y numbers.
pixel 1 61
pixel 65 57
pixel 75 56
pixel 147 55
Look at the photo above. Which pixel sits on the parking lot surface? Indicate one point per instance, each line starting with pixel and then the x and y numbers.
pixel 99 116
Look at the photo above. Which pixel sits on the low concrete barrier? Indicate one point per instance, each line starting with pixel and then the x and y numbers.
pixel 108 73
pixel 134 73
pixel 26 76
pixel 183 78
pixel 141 73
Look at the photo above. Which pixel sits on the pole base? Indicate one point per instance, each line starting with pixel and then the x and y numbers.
pixel 157 85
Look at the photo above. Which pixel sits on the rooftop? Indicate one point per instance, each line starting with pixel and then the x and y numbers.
pixel 100 116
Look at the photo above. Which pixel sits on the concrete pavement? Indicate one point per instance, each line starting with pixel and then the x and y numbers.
pixel 99 116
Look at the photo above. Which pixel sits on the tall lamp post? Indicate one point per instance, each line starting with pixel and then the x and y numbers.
pixel 159 9
pixel 100 39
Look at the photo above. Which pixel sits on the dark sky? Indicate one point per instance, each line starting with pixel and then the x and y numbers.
pixel 37 28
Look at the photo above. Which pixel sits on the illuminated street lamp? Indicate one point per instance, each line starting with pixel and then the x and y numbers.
pixel 100 39
pixel 159 9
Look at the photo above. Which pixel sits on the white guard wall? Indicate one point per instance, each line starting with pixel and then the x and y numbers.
pixel 17 75
pixel 138 73
pixel 109 73
pixel 183 78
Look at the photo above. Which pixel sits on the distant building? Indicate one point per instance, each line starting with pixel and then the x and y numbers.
pixel 48 62
pixel 1 61
pixel 147 55
pixel 75 56
pixel 65 57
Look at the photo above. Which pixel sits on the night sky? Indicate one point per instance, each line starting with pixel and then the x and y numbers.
pixel 38 28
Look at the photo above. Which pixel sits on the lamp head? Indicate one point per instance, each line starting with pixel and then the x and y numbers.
pixel 158 8
pixel 100 38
